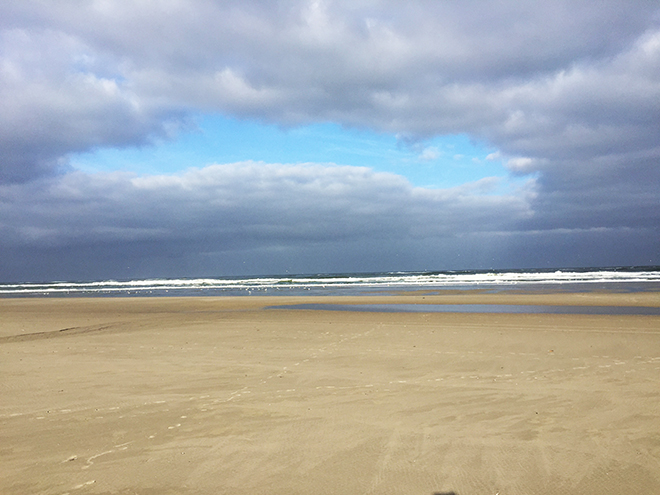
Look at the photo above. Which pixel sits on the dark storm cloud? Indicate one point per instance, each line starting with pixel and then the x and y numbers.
pixel 54 103
pixel 568 91
pixel 226 212
pixel 243 202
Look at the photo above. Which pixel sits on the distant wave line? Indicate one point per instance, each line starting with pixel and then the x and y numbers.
pixel 375 280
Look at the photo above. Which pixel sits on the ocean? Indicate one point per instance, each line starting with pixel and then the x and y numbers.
pixel 617 279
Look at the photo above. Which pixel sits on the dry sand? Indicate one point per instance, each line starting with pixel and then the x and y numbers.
pixel 218 395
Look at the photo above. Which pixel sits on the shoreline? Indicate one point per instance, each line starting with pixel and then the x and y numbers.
pixel 222 395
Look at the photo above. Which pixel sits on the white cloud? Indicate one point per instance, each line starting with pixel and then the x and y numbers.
pixel 426 69
pixel 430 153
pixel 520 164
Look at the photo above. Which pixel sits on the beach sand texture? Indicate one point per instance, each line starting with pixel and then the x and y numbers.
pixel 221 396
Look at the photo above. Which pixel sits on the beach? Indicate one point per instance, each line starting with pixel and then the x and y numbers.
pixel 215 395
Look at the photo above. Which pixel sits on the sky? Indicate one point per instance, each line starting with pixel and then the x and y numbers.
pixel 186 138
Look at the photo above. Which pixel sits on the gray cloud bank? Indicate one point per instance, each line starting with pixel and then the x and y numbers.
pixel 248 217
pixel 569 92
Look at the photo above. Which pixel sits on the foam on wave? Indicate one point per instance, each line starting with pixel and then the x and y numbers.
pixel 323 281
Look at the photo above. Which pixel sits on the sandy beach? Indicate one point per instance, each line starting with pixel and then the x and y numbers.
pixel 228 396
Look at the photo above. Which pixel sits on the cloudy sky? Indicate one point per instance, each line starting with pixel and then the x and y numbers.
pixel 169 138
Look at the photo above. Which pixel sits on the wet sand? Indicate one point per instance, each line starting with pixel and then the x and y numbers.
pixel 219 395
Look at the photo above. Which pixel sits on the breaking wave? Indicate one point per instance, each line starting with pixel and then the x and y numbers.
pixel 340 283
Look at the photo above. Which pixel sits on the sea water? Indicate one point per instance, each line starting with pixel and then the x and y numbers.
pixel 618 279
pixel 478 308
